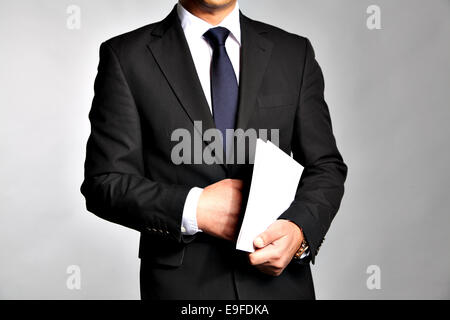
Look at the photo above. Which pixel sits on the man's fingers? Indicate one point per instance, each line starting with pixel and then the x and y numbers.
pixel 237 184
pixel 264 255
pixel 272 233
pixel 273 249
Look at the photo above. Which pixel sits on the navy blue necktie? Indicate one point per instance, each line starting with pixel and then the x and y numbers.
pixel 224 86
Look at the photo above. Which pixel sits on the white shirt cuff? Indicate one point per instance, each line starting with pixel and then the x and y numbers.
pixel 189 221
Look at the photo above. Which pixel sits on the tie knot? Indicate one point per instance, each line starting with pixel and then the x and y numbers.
pixel 217 36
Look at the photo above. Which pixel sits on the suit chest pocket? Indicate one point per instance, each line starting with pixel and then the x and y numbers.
pixel 277 101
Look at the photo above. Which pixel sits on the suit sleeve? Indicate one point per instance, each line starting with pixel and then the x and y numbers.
pixel 321 187
pixel 115 185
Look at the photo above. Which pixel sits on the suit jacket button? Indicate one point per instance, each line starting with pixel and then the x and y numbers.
pixel 183 229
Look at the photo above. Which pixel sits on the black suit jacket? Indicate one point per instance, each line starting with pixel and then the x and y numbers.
pixel 146 87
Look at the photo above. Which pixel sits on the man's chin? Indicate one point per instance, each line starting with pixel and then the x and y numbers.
pixel 216 4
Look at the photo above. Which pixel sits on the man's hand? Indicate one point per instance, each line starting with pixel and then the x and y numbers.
pixel 276 247
pixel 219 207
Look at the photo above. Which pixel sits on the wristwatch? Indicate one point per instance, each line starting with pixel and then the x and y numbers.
pixel 303 247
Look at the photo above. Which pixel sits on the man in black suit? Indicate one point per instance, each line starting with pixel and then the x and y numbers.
pixel 207 62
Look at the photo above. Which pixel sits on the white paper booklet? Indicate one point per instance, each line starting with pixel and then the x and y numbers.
pixel 274 184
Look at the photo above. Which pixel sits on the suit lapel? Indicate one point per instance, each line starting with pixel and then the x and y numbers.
pixel 255 54
pixel 171 52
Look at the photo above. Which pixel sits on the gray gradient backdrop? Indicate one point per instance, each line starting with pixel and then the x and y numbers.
pixel 388 91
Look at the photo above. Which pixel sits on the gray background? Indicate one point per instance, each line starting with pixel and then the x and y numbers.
pixel 388 91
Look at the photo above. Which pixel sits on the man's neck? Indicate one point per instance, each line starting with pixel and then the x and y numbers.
pixel 213 16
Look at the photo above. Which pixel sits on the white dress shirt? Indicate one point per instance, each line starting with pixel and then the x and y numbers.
pixel 194 28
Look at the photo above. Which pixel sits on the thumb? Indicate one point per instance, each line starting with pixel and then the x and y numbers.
pixel 271 234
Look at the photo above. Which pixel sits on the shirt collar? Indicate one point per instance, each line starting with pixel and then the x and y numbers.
pixel 197 27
